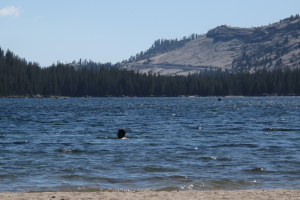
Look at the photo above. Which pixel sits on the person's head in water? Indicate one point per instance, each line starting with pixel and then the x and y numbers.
pixel 121 133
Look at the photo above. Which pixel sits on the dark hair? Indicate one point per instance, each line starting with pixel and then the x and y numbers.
pixel 121 133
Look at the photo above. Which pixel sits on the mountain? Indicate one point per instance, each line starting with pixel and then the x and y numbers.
pixel 227 48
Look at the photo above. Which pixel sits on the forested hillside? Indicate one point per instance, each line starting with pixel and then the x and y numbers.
pixel 160 46
pixel 21 78
pixel 269 47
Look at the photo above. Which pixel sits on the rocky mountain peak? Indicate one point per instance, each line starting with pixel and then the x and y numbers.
pixel 225 33
pixel 269 47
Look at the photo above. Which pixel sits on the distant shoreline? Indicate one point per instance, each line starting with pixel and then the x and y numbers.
pixel 193 96
pixel 33 96
pixel 277 194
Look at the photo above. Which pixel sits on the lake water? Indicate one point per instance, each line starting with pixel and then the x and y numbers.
pixel 174 144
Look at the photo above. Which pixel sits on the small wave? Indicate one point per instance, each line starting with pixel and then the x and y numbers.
pixel 293 172
pixel 159 169
pixel 216 158
pixel 257 169
pixel 94 189
pixel 280 129
pixel 237 145
pixel 209 158
pixel 69 150
pixel 272 147
pixel 225 184
pixel 89 178
pixel 105 137
pixel 198 186
pixel 10 176
pixel 224 159
pixel 239 122
pixel 21 142
pixel 195 127
pixel 173 179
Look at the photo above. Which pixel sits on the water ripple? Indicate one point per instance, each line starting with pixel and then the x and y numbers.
pixel 174 144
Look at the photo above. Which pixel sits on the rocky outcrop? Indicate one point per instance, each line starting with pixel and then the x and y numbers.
pixel 225 33
pixel 232 48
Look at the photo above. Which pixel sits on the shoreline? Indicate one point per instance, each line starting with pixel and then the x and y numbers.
pixel 180 96
pixel 276 194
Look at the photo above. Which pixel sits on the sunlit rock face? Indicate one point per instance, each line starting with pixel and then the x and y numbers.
pixel 231 48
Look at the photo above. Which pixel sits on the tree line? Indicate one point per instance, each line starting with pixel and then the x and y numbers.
pixel 21 78
pixel 161 46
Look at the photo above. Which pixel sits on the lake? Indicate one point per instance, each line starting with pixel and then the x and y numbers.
pixel 173 144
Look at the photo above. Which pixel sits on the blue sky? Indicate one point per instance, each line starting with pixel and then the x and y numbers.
pixel 48 31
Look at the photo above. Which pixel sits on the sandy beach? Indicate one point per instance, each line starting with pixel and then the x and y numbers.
pixel 153 195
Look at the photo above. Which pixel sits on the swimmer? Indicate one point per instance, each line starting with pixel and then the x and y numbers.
pixel 121 134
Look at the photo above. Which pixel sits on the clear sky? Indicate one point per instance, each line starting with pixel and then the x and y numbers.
pixel 47 31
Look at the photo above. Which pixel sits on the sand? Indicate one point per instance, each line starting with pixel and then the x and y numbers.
pixel 159 195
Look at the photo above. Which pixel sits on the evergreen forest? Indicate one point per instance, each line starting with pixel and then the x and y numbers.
pixel 21 78
pixel 161 46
